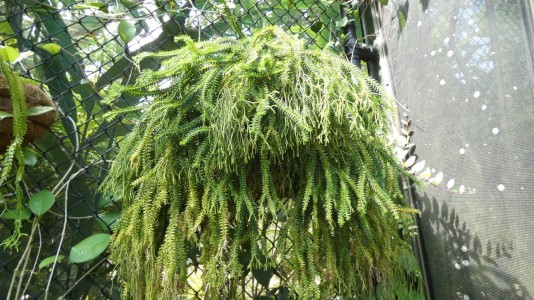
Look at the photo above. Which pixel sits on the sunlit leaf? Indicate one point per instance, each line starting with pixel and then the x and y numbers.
pixel 384 2
pixel 89 248
pixel 24 55
pixel 426 174
pixel 402 18
pixel 52 48
pixel 5 28
pixel 450 184
pixel 437 179
pixel 5 114
pixel 41 202
pixel 50 260
pixel 342 23
pixel 92 5
pixel 39 110
pixel 9 54
pixel 126 31
pixel 418 167
pixel 401 154
pixel 409 162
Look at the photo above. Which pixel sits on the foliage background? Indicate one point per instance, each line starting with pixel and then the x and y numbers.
pixel 75 50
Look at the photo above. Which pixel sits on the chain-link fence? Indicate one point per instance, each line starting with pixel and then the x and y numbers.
pixel 74 50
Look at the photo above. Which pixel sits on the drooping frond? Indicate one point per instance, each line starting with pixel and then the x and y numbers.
pixel 14 152
pixel 250 134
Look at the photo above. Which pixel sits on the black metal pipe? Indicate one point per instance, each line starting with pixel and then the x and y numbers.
pixel 356 52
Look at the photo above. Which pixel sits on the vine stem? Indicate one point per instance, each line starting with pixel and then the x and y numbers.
pixel 36 259
pixel 24 259
pixel 84 275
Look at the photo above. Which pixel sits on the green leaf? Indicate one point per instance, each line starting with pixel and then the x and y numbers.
pixel 89 248
pixel 24 214
pixel 402 19
pixel 5 28
pixel 283 293
pixel 437 179
pixel 263 276
pixel 109 220
pixel 94 5
pixel 52 48
pixel 5 114
pixel 126 31
pixel 39 110
pixel 384 2
pixel 105 201
pixel 342 23
pixel 426 174
pixel 130 4
pixel 30 158
pixel 50 260
pixel 41 202
pixel 9 54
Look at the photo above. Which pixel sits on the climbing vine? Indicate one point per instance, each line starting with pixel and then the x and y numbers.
pixel 238 136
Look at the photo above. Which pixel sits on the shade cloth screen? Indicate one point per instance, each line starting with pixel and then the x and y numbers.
pixel 464 69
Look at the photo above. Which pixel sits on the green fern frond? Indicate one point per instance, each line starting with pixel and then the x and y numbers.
pixel 251 135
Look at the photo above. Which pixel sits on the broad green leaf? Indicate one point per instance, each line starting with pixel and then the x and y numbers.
pixel 384 2
pixel 9 54
pixel 89 248
pixel 41 202
pixel 262 276
pixel 130 4
pixel 25 214
pixel 39 110
pixel 342 23
pixel 126 31
pixel 105 201
pixel 50 260
pixel 402 18
pixel 426 174
pixel 437 179
pixel 109 220
pixel 283 293
pixel 52 48
pixel 5 114
pixel 30 158
pixel 5 28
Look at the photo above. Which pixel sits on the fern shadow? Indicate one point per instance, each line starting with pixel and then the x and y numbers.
pixel 460 264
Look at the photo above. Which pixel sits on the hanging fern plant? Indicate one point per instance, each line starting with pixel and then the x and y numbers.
pixel 242 136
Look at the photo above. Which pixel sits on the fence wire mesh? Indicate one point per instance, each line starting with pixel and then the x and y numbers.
pixel 75 50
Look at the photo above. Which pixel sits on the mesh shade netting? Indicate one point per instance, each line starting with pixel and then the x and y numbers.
pixel 464 68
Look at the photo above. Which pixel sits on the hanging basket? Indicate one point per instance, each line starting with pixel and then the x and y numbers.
pixel 37 124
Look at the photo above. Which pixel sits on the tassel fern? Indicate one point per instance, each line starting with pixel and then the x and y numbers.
pixel 14 154
pixel 251 134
